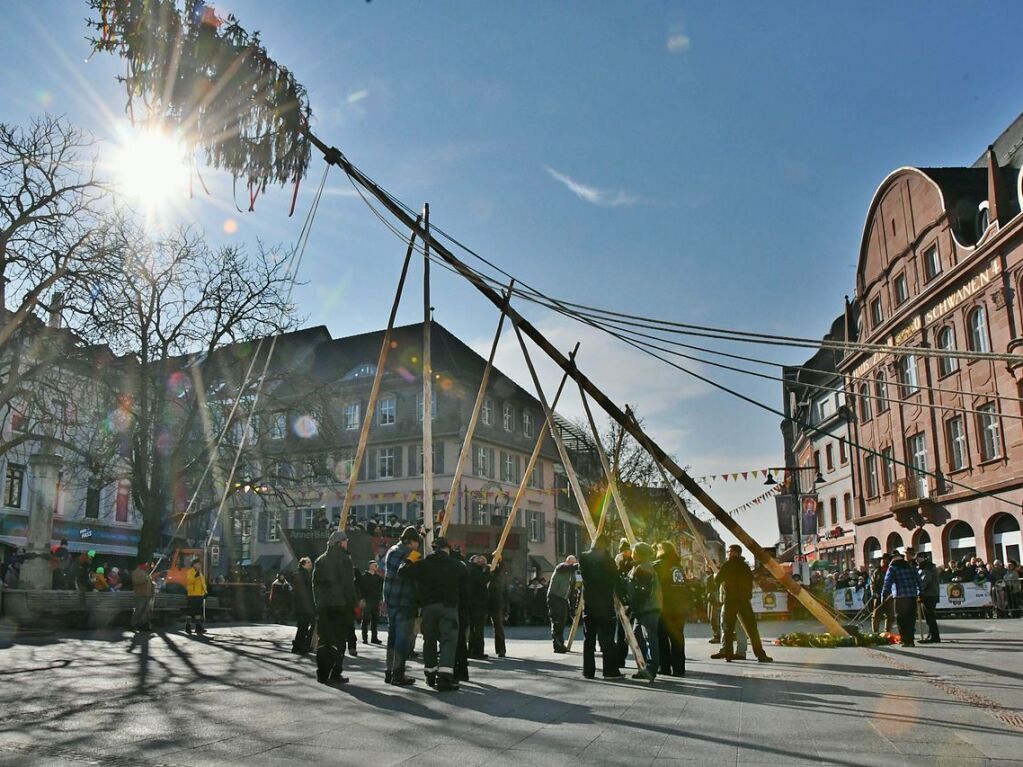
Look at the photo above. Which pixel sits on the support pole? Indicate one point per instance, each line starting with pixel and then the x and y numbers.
pixel 334 156
pixel 608 472
pixel 580 498
pixel 427 392
pixel 374 391
pixel 470 431
pixel 575 624
pixel 520 494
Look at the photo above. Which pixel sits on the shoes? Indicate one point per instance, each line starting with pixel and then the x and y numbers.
pixel 929 640
pixel 500 655
pixel 200 630
pixel 721 655
pixel 618 675
pixel 414 654
pixel 462 676
pixel 375 641
pixel 353 651
pixel 714 640
pixel 364 640
pixel 679 674
pixel 646 676
pixel 446 684
pixel 431 680
pixel 405 681
pixel 735 656
pixel 588 676
pixel 765 659
pixel 909 644
pixel 337 681
pixel 484 656
pixel 560 650
pixel 188 628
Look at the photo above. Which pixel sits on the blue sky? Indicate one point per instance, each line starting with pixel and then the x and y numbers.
pixel 704 162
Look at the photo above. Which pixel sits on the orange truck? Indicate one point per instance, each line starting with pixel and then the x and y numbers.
pixel 241 595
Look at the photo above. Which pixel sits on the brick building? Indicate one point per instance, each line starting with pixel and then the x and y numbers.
pixel 941 266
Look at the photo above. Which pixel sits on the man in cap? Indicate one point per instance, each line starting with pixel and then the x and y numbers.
pixel 478 584
pixel 902 583
pixel 402 607
pixel 601 582
pixel 929 595
pixel 559 591
pixel 736 580
pixel 440 581
pixel 195 601
pixel 334 595
pixel 879 607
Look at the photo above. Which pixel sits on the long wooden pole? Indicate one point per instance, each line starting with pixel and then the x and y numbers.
pixel 470 430
pixel 681 508
pixel 334 156
pixel 520 494
pixel 575 624
pixel 580 498
pixel 427 392
pixel 608 471
pixel 367 421
pixel 607 494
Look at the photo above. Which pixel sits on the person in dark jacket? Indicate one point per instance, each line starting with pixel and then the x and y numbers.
pixel 736 581
pixel 646 603
pixel 462 640
pixel 559 593
pixel 601 582
pixel 402 606
pixel 675 604
pixel 495 605
pixel 929 595
pixel 479 581
pixel 879 607
pixel 902 586
pixel 280 599
pixel 713 593
pixel 440 581
pixel 624 561
pixel 334 594
pixel 305 610
pixel 371 589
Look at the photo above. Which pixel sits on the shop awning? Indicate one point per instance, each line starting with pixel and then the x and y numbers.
pixel 76 547
pixel 269 562
pixel 540 563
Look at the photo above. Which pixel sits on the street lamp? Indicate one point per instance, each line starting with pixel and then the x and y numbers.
pixel 794 472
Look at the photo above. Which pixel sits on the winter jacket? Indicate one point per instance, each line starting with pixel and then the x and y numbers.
pixel 302 584
pixel 562 581
pixel 736 580
pixel 141 582
pixel 333 579
pixel 397 593
pixel 439 579
pixel 646 590
pixel 479 582
pixel 195 583
pixel 929 584
pixel 371 587
pixel 674 590
pixel 601 582
pixel 901 580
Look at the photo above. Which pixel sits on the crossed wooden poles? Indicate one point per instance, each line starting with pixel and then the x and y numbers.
pixel 567 364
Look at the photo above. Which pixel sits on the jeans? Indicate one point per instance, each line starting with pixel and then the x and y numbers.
pixel 558 609
pixel 650 644
pixel 600 629
pixel 401 622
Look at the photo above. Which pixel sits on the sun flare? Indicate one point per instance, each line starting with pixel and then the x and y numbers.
pixel 151 168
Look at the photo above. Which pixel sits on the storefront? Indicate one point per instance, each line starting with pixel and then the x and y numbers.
pixel 81 534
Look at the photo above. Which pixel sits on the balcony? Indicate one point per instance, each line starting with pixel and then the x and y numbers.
pixel 912 501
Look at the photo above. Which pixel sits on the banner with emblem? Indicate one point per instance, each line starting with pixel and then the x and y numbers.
pixel 770 602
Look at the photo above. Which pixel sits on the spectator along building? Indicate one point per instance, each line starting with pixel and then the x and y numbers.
pixel 941 267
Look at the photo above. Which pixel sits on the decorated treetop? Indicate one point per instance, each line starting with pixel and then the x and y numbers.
pixel 211 80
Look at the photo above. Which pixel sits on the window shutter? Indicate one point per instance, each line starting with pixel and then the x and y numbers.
pixel 475 460
pixel 438 458
pixel 399 453
pixel 518 469
pixel 262 525
pixel 368 470
pixel 491 453
pixel 543 526
pixel 413 460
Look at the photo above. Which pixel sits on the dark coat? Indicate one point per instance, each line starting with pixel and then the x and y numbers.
pixel 737 580
pixel 439 579
pixel 601 582
pixel 479 581
pixel 929 583
pixel 334 580
pixel 496 590
pixel 371 587
pixel 674 590
pixel 302 584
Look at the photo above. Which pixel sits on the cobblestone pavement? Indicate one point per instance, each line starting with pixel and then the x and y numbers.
pixel 241 698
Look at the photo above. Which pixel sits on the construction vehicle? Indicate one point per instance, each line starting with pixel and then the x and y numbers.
pixel 241 596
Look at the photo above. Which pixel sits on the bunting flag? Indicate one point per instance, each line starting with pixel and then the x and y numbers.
pixel 774 490
pixel 733 476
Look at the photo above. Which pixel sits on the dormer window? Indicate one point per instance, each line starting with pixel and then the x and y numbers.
pixel 983 219
pixel 876 312
pixel 361 371
pixel 932 262
pixel 901 290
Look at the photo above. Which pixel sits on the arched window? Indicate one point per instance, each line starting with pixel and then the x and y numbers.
pixel 977 323
pixel 872 551
pixel 894 542
pixel 922 542
pixel 1005 536
pixel 865 403
pixel 908 373
pixel 962 544
pixel 947 342
pixel 881 392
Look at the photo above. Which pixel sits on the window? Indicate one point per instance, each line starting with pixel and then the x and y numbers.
pixel 480 513
pixel 507 417
pixel 881 392
pixel 367 369
pixel 817 459
pixel 92 502
pixel 536 476
pixel 843 455
pixel 847 506
pixel 822 410
pixel 977 323
pixel 990 432
pixel 385 462
pixel 278 425
pixel 932 262
pixel 351 413
pixel 273 526
pixel 433 405
pixel 829 455
pixel 386 411
pixel 437 468
pixel 865 413
pixel 483 466
pixel 983 220
pixel 15 485
pixel 907 369
pixel 917 448
pixel 870 472
pixel 527 424
pixel 487 413
pixel 876 312
pixel 510 468
pixel 304 519
pixel 343 468
pixel 834 511
pixel 947 342
pixel 956 434
pixel 888 468
pixel 535 525
pixel 901 290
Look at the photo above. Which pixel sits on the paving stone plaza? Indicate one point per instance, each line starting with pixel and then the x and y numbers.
pixel 242 699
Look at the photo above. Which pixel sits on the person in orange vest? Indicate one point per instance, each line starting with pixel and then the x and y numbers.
pixel 195 607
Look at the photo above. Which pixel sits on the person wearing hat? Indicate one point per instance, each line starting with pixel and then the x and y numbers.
pixel 646 600
pixel 335 598
pixel 929 595
pixel 625 561
pixel 402 607
pixel 371 589
pixel 195 603
pixel 441 582
pixel 736 581
pixel 902 583
pixel 880 608
pixel 142 588
pixel 479 575
pixel 305 608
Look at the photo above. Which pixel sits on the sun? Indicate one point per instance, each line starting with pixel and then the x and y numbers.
pixel 151 168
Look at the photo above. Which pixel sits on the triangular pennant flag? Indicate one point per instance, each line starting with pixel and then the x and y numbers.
pixel 745 475
pixel 735 476
pixel 755 473
pixel 724 477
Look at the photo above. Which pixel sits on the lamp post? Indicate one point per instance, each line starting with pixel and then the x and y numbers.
pixel 818 480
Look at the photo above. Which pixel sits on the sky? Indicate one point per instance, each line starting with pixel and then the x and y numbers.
pixel 709 163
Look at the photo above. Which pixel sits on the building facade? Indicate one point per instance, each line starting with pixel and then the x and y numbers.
pixel 940 452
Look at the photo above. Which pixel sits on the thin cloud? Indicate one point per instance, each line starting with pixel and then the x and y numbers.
pixel 610 198
pixel 357 96
pixel 678 42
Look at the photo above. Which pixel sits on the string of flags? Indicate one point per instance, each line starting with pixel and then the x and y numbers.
pixel 415 495
pixel 735 475
pixel 774 490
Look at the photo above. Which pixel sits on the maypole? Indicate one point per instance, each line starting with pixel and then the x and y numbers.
pixel 427 391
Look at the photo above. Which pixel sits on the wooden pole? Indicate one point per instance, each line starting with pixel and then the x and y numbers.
pixel 367 421
pixel 575 624
pixel 520 494
pixel 608 472
pixel 334 156
pixel 607 494
pixel 580 498
pixel 681 507
pixel 470 430
pixel 427 392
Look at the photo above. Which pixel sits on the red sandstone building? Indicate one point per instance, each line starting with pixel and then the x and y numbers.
pixel 941 266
